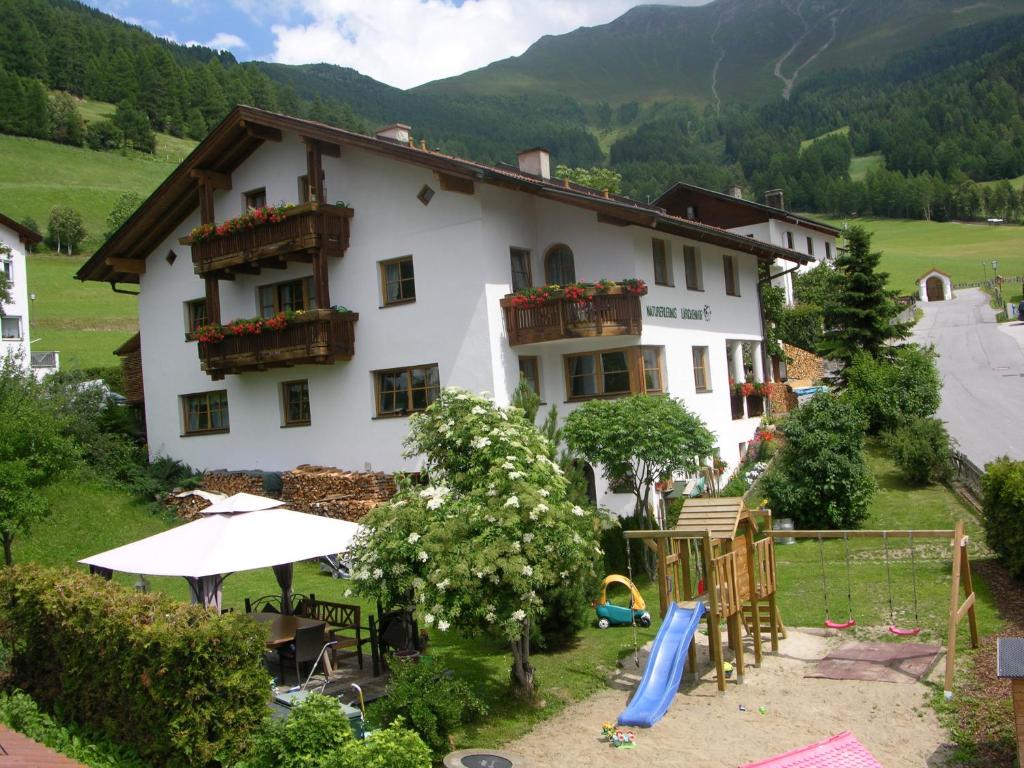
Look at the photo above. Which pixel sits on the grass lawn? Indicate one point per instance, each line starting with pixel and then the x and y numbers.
pixel 841 131
pixel 860 165
pixel 89 518
pixel 912 247
pixel 85 322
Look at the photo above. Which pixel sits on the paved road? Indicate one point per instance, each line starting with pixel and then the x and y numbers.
pixel 982 367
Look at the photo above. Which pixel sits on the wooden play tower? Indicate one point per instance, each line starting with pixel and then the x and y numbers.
pixel 714 541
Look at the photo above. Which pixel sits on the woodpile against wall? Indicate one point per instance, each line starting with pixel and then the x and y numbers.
pixel 326 491
pixel 803 365
pixel 334 492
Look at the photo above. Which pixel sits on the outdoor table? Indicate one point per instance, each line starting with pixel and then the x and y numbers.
pixel 282 627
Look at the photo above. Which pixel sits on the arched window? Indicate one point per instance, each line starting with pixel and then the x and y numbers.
pixel 558 266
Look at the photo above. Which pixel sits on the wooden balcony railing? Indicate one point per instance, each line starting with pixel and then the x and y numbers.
pixel 305 229
pixel 764 556
pixel 319 337
pixel 605 314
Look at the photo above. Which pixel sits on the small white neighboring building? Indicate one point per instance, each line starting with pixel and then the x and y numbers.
pixel 934 285
pixel 431 255
pixel 14 328
pixel 768 222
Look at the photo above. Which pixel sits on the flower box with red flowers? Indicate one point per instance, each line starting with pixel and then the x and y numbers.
pixel 252 218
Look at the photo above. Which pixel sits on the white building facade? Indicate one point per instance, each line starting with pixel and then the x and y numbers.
pixel 425 251
pixel 15 339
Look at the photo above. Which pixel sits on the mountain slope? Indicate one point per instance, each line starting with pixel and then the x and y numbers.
pixel 747 49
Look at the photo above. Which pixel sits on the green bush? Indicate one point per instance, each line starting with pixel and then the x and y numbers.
pixel 801 326
pixel 317 735
pixel 920 448
pixel 888 392
pixel 20 713
pixel 432 701
pixel 175 683
pixel 1002 499
pixel 820 477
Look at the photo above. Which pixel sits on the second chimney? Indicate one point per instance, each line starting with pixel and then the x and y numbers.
pixel 396 132
pixel 536 162
pixel 773 199
pixel 736 191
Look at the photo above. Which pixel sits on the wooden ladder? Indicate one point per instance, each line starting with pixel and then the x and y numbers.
pixel 762 607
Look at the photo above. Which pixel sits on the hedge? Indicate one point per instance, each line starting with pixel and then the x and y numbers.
pixel 1002 499
pixel 173 682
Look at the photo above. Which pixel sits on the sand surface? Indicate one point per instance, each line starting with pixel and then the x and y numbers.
pixel 705 729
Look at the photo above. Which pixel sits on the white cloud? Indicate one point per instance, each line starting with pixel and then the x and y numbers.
pixel 224 41
pixel 408 42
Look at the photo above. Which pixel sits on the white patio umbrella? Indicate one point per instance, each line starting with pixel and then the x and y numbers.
pixel 205 551
pixel 241 502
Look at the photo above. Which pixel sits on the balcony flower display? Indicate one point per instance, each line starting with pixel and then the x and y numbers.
pixel 581 293
pixel 254 217
pixel 211 333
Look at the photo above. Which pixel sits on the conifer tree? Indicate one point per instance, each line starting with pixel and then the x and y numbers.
pixel 862 315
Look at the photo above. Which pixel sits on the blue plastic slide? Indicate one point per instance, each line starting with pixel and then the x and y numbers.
pixel 664 667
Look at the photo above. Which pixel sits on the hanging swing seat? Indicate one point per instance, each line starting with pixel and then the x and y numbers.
pixel 904 632
pixel 840 624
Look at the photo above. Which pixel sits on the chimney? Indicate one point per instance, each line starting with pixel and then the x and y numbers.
pixel 735 190
pixel 396 132
pixel 773 199
pixel 536 162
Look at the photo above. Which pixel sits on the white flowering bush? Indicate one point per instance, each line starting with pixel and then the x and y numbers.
pixel 477 548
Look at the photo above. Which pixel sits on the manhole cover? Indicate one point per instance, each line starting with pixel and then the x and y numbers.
pixel 486 761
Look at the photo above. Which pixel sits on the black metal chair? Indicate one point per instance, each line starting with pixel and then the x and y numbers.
pixel 309 641
pixel 264 604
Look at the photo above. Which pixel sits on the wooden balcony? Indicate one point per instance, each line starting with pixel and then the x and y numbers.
pixel 306 230
pixel 616 313
pixel 319 337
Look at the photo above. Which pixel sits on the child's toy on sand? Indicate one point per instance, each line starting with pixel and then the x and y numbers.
pixel 623 739
pixel 608 730
pixel 609 614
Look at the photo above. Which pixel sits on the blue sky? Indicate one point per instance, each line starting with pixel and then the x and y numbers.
pixel 400 42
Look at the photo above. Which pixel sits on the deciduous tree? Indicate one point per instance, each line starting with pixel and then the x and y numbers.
pixel 476 549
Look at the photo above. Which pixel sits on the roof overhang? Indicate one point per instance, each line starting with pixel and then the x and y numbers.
pixel 245 129
pixel 26 235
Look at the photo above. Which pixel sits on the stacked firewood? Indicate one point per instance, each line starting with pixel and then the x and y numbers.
pixel 334 492
pixel 230 483
pixel 185 506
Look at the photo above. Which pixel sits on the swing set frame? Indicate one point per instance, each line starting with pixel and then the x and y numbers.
pixel 961 578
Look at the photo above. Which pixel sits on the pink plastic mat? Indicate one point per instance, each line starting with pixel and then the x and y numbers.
pixel 841 751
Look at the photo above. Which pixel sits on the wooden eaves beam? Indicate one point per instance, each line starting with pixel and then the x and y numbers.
pixel 212 179
pixel 261 132
pixel 127 266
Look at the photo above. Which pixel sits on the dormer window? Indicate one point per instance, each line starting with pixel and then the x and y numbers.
pixel 255 198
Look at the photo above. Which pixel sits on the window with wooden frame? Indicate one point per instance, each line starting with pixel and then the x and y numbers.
pixel 693 269
pixel 559 267
pixel 10 327
pixel 254 198
pixel 522 276
pixel 732 278
pixel 662 262
pixel 789 240
pixel 205 412
pixel 701 370
pixel 195 314
pixel 397 281
pixel 828 250
pixel 304 188
pixel 295 403
pixel 289 296
pixel 810 246
pixel 400 391
pixel 7 268
pixel 529 369
pixel 614 372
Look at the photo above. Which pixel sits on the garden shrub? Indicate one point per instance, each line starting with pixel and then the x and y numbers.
pixel 820 478
pixel 920 448
pixel 432 701
pixel 19 712
pixel 1002 499
pixel 175 683
pixel 317 734
pixel 801 326
pixel 888 392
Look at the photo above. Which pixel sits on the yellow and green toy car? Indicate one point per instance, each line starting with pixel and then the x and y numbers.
pixel 610 614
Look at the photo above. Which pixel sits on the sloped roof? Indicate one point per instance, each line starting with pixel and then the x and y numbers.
pixel 26 235
pixel 933 271
pixel 246 128
pixel 134 344
pixel 768 211
pixel 721 516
